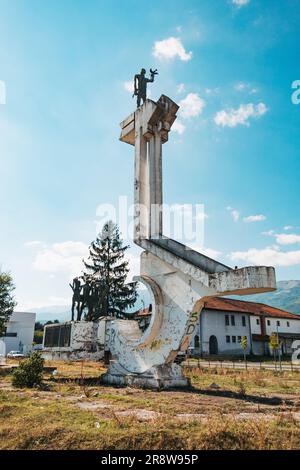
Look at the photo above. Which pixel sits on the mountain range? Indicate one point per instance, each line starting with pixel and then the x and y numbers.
pixel 286 297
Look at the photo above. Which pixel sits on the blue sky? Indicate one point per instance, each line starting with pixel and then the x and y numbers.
pixel 64 70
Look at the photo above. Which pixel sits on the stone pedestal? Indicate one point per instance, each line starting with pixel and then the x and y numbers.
pixel 165 376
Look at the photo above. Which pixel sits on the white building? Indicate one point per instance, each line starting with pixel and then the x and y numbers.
pixel 19 332
pixel 223 322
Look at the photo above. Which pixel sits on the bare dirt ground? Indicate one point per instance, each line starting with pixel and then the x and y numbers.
pixel 222 409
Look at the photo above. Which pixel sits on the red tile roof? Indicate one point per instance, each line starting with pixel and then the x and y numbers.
pixel 252 308
pixel 144 313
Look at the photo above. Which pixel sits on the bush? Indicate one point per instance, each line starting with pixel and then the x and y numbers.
pixel 30 372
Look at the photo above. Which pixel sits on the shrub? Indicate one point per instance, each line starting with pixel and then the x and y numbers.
pixel 30 372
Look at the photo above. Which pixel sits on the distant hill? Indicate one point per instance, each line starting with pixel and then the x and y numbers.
pixel 287 297
pixel 63 312
pixel 57 312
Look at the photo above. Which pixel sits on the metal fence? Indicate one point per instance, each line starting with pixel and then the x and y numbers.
pixel 239 365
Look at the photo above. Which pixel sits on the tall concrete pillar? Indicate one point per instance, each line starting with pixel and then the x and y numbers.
pixel 155 185
pixel 141 199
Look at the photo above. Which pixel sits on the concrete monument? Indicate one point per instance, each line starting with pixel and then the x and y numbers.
pixel 179 278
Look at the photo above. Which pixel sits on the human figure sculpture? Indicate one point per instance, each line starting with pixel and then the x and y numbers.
pixel 85 298
pixel 140 85
pixel 76 288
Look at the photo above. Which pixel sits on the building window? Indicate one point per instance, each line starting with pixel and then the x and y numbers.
pixel 227 339
pixel 196 342
pixel 239 339
pixel 232 320
pixel 244 321
pixel 10 335
pixel 268 322
pixel 287 323
pixel 257 321
pixel 227 320
pixel 278 323
pixel 234 339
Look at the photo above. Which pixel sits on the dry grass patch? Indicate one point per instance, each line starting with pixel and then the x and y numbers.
pixel 75 412
pixel 31 424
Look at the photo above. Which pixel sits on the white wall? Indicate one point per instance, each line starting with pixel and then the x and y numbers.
pixel 272 328
pixel 213 324
pixel 282 328
pixel 21 323
pixel 255 328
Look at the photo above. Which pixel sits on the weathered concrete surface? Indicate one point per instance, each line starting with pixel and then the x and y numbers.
pixel 164 377
pixel 179 279
pixel 178 299
pixel 180 251
pixel 86 342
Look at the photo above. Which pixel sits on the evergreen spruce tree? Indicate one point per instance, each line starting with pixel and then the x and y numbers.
pixel 107 271
pixel 7 303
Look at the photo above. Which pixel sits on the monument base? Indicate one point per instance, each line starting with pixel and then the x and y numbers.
pixel 166 376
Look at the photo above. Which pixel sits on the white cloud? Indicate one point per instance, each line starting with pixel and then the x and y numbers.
pixel 287 238
pixel 70 248
pixel 270 256
pixel 284 238
pixel 240 86
pixel 170 48
pixel 2 92
pixel 234 117
pixel 134 265
pixel 210 252
pixel 212 91
pixel 128 86
pixel 34 243
pixel 269 233
pixel 240 3
pixel 181 88
pixel 191 106
pixel 254 218
pixel 234 213
pixel 61 257
pixel 201 216
pixel 52 301
pixel 178 127
pixel 288 227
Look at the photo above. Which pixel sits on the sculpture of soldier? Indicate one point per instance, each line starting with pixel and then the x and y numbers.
pixel 86 298
pixel 76 288
pixel 140 85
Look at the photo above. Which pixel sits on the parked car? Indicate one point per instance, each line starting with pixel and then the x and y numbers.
pixel 15 355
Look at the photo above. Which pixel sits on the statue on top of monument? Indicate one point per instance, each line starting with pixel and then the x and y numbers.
pixel 140 85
